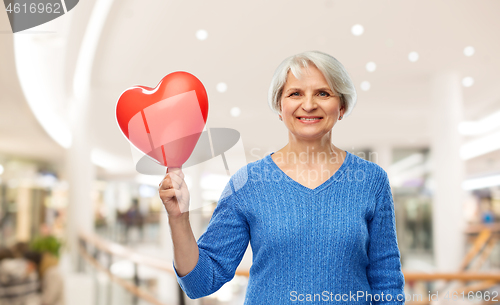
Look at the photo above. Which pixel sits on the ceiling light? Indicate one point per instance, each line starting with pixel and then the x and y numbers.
pixel 357 29
pixel 371 66
pixel 480 146
pixel 482 126
pixel 479 183
pixel 235 111
pixel 467 81
pixel 221 87
pixel 365 86
pixel 469 51
pixel 413 56
pixel 201 34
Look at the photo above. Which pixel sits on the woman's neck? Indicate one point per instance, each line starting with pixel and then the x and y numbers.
pixel 310 154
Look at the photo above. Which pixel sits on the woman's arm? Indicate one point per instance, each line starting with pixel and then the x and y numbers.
pixel 203 267
pixel 184 243
pixel 175 197
pixel 384 270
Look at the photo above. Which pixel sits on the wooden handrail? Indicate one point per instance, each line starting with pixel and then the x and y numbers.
pixel 485 254
pixel 460 276
pixel 133 256
pixel 477 228
pixel 126 253
pixel 477 246
pixel 130 287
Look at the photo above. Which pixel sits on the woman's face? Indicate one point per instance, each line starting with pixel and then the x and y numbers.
pixel 309 98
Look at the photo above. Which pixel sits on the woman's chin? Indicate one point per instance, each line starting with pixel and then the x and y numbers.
pixel 309 135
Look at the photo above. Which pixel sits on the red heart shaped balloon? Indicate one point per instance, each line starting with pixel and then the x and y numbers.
pixel 164 122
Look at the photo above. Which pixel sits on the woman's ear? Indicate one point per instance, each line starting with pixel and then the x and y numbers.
pixel 341 112
pixel 343 107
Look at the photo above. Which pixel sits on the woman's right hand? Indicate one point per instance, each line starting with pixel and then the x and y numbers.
pixel 174 193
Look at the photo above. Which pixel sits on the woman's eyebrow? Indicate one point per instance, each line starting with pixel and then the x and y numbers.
pixel 319 89
pixel 324 89
pixel 292 89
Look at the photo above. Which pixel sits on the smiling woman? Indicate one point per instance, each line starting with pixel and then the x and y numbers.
pixel 320 221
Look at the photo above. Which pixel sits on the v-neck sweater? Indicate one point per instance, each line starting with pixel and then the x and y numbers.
pixel 334 243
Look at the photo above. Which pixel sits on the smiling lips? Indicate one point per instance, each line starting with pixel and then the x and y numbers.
pixel 309 119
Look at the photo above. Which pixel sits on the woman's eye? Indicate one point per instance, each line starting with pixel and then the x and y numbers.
pixel 293 94
pixel 325 93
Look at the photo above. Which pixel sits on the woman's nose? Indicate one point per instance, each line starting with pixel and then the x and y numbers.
pixel 309 103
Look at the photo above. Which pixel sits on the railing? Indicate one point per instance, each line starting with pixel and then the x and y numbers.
pixel 484 238
pixel 92 248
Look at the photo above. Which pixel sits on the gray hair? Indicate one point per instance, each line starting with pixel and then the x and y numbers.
pixel 335 74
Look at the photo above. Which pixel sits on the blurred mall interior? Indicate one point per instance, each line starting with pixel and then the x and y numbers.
pixel 428 112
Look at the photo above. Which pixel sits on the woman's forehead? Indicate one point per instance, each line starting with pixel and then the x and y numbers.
pixel 314 78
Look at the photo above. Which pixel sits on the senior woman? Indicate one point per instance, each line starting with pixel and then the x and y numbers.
pixel 319 219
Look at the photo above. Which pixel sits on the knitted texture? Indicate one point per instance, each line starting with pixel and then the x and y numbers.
pixel 332 244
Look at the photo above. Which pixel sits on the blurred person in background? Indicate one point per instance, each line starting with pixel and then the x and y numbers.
pixel 134 219
pixel 19 281
pixel 19 249
pixel 52 283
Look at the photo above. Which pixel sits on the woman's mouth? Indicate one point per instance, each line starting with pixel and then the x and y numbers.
pixel 309 120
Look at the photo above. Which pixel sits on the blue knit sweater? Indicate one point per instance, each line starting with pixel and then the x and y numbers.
pixel 332 244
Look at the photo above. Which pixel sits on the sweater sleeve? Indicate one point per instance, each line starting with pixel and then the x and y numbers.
pixel 221 248
pixel 384 269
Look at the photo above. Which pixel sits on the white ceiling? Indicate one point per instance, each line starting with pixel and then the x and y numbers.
pixel 142 41
pixel 20 133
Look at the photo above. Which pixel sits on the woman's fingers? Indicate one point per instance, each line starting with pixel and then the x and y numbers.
pixel 166 183
pixel 173 178
pixel 167 194
pixel 177 171
pixel 177 181
pixel 173 192
pixel 177 175
pixel 178 194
